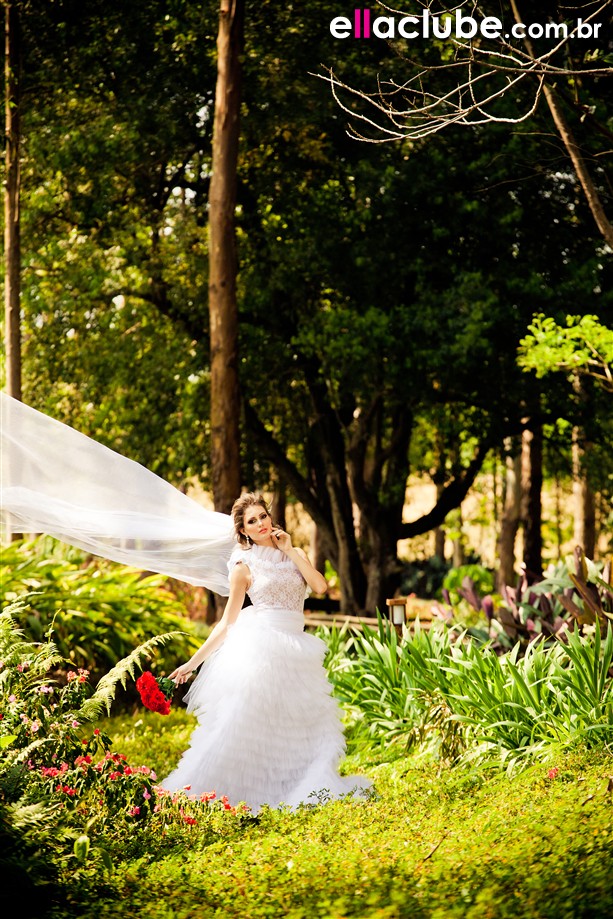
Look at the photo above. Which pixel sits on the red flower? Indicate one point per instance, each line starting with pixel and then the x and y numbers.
pixel 154 696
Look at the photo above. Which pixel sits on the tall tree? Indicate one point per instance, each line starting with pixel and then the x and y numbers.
pixel 223 310
pixel 12 243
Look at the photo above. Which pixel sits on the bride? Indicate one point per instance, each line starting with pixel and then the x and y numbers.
pixel 269 731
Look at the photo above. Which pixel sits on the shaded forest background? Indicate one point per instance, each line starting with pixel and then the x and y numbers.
pixel 383 290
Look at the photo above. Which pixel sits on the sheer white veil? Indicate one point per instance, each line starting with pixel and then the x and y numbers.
pixel 58 481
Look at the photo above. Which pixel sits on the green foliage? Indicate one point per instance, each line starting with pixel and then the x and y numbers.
pixel 583 345
pixel 68 792
pixel 433 842
pixel 544 610
pixel 432 845
pixel 481 578
pixel 98 611
pixel 370 375
pixel 424 578
pixel 468 702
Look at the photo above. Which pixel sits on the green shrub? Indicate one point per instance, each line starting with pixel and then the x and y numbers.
pixel 455 581
pixel 62 785
pixel 471 702
pixel 98 611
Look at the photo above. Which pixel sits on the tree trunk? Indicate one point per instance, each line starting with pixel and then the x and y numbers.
pixel 584 504
pixel 279 504
pixel 318 551
pixel 382 568
pixel 12 248
pixel 347 562
pixel 531 483
pixel 510 521
pixel 223 311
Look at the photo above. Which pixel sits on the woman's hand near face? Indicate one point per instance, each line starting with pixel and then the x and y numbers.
pixel 281 540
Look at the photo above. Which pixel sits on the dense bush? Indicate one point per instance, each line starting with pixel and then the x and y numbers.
pixel 545 610
pixel 471 703
pixel 423 577
pixel 99 611
pixel 62 785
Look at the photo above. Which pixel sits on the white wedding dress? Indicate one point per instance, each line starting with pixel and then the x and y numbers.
pixel 269 729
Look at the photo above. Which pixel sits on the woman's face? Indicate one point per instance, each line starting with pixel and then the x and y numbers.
pixel 257 524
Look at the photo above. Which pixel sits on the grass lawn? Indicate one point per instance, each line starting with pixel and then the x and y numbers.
pixel 433 843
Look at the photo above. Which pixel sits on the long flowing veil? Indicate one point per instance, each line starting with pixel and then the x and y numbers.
pixel 56 480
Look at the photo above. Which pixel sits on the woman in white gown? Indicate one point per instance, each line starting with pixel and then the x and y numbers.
pixel 269 730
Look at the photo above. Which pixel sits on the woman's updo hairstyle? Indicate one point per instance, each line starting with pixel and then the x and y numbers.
pixel 239 509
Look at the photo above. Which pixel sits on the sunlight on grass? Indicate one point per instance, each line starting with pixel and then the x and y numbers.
pixel 433 843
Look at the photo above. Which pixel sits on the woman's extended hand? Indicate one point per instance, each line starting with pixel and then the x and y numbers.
pixel 182 673
pixel 282 540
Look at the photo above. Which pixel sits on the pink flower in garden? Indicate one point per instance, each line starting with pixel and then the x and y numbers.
pixel 71 675
pixel 23 666
pixel 114 775
pixel 134 811
pixel 96 731
pixel 50 772
pixel 74 723
pixel 35 726
pixel 146 795
pixel 12 698
pixel 553 772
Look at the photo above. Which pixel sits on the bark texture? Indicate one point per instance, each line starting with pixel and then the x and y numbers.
pixel 510 520
pixel 531 512
pixel 223 310
pixel 12 247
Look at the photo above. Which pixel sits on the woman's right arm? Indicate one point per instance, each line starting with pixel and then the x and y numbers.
pixel 239 582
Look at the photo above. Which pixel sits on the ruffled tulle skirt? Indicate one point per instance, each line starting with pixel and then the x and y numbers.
pixel 269 731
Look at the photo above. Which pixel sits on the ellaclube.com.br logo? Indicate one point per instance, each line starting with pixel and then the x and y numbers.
pixel 363 23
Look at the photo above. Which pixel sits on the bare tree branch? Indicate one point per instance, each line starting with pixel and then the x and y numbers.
pixel 483 72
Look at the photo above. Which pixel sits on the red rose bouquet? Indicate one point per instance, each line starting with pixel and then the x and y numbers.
pixel 155 692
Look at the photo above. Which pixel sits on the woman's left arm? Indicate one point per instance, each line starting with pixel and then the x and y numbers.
pixel 315 580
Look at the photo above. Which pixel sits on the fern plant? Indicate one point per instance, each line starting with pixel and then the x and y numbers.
pixel 42 717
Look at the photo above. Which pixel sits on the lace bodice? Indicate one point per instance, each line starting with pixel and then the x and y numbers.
pixel 276 583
